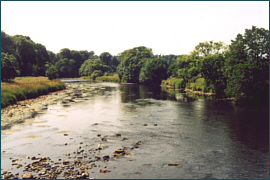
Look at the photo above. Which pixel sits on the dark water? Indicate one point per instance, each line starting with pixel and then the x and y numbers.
pixel 210 139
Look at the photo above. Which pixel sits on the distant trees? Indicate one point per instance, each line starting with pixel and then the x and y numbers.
pixel 240 70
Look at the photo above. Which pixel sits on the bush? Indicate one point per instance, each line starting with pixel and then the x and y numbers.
pixel 52 72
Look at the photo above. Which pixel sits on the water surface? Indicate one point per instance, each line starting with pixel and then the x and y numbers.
pixel 210 139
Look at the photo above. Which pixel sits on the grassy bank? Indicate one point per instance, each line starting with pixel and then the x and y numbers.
pixel 177 83
pixel 113 78
pixel 22 88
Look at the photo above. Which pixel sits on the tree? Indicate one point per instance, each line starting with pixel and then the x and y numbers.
pixel 106 58
pixel 7 44
pixel 114 63
pixel 65 53
pixel 25 48
pixel 153 71
pixel 41 58
pixel 90 65
pixel 212 71
pixel 247 65
pixel 52 72
pixel 64 67
pixel 96 73
pixel 209 47
pixel 131 63
pixel 8 65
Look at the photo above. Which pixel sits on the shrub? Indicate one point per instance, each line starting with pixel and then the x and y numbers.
pixel 52 72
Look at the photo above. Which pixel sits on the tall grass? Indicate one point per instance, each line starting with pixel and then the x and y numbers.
pixel 114 78
pixel 22 88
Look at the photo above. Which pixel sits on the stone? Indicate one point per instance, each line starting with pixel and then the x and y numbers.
pixel 106 157
pixel 145 124
pixel 65 162
pixel 27 176
pixel 117 135
pixel 104 171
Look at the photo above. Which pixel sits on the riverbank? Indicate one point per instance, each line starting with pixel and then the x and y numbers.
pixel 27 109
pixel 22 88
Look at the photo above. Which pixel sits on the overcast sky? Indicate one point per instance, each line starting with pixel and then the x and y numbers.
pixel 173 27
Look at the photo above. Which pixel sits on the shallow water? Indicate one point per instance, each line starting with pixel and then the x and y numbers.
pixel 210 139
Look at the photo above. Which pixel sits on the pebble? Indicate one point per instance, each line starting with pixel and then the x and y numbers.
pixel 27 176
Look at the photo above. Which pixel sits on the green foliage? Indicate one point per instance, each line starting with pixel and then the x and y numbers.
pixel 96 73
pixel 8 64
pixel 153 71
pixel 7 99
pixel 52 72
pixel 132 61
pixel 90 65
pixel 176 83
pixel 106 58
pixel 247 65
pixel 65 67
pixel 209 48
pixel 213 72
pixel 172 70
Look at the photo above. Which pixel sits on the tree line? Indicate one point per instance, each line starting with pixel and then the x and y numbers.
pixel 239 70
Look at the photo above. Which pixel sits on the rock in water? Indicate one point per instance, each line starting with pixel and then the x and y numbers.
pixel 27 176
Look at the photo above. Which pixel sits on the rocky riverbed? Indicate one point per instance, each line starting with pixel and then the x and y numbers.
pixel 76 164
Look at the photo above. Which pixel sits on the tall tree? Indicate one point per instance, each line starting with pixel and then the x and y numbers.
pixel 247 65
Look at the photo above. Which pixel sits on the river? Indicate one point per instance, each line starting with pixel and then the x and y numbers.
pixel 209 139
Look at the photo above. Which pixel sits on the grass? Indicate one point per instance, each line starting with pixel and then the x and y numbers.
pixel 22 88
pixel 114 78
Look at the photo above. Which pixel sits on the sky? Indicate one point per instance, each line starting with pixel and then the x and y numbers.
pixel 168 27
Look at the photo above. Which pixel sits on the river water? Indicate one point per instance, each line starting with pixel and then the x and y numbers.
pixel 209 139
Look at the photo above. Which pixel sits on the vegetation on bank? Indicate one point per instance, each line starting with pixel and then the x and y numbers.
pixel 177 83
pixel 239 70
pixel 22 88
pixel 113 78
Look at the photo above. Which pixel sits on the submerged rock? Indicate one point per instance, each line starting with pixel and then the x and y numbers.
pixel 104 171
pixel 172 164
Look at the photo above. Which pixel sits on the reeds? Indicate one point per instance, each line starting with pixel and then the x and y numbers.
pixel 22 88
